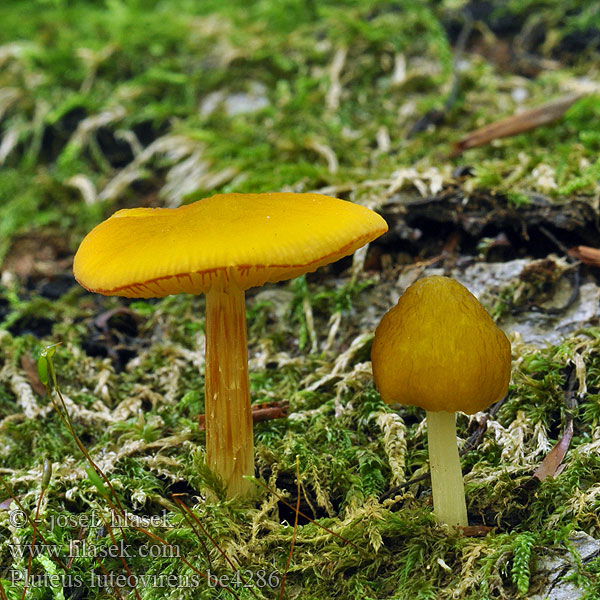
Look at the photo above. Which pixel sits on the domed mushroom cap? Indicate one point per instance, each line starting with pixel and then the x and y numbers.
pixel 245 238
pixel 439 349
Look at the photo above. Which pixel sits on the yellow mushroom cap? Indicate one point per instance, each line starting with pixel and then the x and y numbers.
pixel 245 238
pixel 439 349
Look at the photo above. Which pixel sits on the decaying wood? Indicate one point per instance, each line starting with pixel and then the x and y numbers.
pixel 476 530
pixel 515 124
pixel 481 209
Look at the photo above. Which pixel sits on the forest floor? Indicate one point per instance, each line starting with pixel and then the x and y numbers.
pixel 124 103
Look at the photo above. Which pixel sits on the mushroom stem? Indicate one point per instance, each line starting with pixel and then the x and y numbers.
pixel 449 505
pixel 228 417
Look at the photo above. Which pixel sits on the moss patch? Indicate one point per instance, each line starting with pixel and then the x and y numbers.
pixel 106 105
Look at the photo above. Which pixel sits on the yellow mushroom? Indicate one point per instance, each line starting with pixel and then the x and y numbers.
pixel 222 246
pixel 440 350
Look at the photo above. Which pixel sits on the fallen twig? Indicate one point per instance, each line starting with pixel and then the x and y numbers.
pixel 260 412
pixel 587 255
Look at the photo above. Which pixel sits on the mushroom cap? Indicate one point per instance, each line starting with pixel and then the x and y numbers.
pixel 247 239
pixel 439 349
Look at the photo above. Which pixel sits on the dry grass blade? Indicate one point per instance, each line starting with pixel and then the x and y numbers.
pixel 30 369
pixel 186 562
pixel 190 521
pixel 131 578
pixel 51 385
pixel 108 576
pixel 187 511
pixel 297 511
pixel 46 474
pixel 551 465
pixel 50 382
pixel 30 520
pixel 305 516
pixel 515 124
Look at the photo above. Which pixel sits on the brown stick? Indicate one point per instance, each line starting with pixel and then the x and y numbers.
pixel 260 412
pixel 587 255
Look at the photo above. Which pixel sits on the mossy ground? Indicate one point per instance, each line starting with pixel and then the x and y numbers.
pixel 105 105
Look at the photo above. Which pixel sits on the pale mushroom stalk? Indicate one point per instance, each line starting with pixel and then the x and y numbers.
pixel 440 350
pixel 447 487
pixel 228 417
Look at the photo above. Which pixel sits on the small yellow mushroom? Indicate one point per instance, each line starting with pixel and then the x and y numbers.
pixel 440 350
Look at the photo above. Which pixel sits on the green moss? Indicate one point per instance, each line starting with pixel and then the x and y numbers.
pixel 151 67
pixel 397 553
